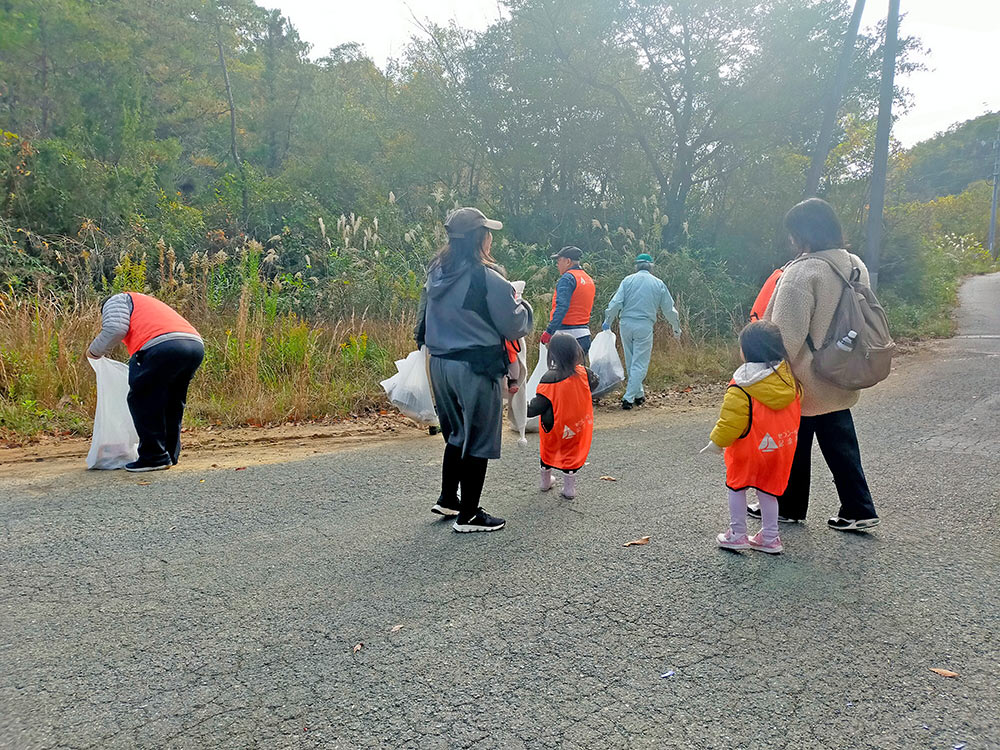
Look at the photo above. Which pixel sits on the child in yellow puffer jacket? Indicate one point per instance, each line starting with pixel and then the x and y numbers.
pixel 758 429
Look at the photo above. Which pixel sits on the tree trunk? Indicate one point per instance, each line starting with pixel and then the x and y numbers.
pixel 873 243
pixel 232 123
pixel 44 65
pixel 832 104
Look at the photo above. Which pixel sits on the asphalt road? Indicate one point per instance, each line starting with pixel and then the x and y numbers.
pixel 225 613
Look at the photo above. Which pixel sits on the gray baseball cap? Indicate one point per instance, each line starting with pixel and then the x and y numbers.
pixel 570 251
pixel 462 221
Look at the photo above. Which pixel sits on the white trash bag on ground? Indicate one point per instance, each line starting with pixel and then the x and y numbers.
pixel 115 442
pixel 409 390
pixel 605 363
pixel 536 377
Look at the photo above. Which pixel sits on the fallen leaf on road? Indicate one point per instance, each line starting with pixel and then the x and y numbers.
pixel 241 468
pixel 358 648
pixel 944 672
pixel 201 480
pixel 396 628
pixel 608 479
pixel 637 542
pixel 144 484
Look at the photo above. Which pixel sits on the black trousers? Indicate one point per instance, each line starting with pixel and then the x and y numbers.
pixel 158 379
pixel 469 472
pixel 838 441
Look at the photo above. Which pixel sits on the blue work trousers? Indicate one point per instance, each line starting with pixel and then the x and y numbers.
pixel 637 342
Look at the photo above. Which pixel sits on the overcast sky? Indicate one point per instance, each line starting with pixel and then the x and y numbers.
pixel 963 37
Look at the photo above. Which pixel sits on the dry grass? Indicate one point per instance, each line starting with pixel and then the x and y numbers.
pixel 260 368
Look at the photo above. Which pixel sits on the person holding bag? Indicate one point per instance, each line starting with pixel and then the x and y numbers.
pixel 165 351
pixel 467 310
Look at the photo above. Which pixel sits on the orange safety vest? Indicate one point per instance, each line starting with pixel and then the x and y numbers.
pixel 567 444
pixel 764 296
pixel 762 458
pixel 582 302
pixel 513 349
pixel 152 318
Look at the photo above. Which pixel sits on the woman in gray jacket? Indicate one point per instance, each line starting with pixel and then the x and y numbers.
pixel 467 309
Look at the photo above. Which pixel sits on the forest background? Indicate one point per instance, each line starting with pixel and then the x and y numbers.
pixel 288 204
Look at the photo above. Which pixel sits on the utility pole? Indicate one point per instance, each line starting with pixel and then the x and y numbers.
pixel 832 103
pixel 996 189
pixel 876 205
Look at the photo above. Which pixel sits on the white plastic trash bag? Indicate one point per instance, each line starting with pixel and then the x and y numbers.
pixel 409 390
pixel 536 377
pixel 115 442
pixel 517 403
pixel 605 363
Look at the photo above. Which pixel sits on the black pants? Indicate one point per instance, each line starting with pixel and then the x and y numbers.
pixel 470 473
pixel 839 443
pixel 158 380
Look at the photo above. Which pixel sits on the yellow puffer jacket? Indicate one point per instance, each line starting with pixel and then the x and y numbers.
pixel 775 387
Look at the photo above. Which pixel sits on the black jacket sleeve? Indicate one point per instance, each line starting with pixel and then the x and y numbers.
pixel 541 407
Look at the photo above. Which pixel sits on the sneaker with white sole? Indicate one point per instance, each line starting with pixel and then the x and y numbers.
pixel 753 510
pixel 772 548
pixel 851 524
pixel 442 508
pixel 479 521
pixel 728 540
pixel 139 466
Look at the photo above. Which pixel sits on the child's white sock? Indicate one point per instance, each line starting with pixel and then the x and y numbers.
pixel 569 486
pixel 546 484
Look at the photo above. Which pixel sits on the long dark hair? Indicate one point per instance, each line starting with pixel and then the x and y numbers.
pixel 761 341
pixel 461 250
pixel 814 226
pixel 564 355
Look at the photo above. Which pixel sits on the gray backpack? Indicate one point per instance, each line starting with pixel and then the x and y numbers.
pixel 857 352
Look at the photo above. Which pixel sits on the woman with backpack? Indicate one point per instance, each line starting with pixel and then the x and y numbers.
pixel 467 310
pixel 803 306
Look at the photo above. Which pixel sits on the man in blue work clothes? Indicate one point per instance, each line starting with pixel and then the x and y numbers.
pixel 573 300
pixel 638 298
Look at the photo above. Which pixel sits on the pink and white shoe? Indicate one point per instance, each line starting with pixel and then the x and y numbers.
pixel 772 548
pixel 728 540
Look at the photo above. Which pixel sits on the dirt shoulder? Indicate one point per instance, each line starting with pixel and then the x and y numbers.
pixel 214 448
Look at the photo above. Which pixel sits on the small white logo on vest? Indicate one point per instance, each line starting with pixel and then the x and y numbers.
pixel 768 445
pixel 568 433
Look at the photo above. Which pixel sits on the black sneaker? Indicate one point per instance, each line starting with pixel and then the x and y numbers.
pixel 753 510
pixel 850 524
pixel 640 401
pixel 137 466
pixel 442 508
pixel 480 521
pixel 626 405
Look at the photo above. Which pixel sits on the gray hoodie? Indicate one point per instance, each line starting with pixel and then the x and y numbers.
pixel 469 306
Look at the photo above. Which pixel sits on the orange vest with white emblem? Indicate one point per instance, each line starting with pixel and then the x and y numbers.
pixel 762 458
pixel 567 444
pixel 152 318
pixel 582 302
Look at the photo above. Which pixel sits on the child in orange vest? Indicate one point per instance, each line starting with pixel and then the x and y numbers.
pixel 758 429
pixel 565 410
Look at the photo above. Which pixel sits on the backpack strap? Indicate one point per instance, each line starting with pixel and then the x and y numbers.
pixel 848 280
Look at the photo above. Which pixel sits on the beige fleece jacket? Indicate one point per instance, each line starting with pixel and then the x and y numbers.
pixel 803 305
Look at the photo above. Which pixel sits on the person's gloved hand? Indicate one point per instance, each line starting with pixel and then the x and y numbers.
pixel 546 338
pixel 605 326
pixel 712 448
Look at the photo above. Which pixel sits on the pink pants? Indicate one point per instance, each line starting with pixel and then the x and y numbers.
pixel 768 514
